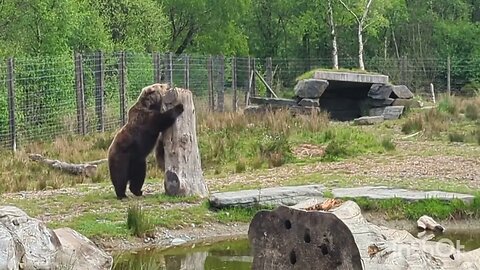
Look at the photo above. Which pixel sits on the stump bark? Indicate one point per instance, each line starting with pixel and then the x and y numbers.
pixel 289 238
pixel 177 150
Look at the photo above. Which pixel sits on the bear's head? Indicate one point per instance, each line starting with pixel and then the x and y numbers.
pixel 151 96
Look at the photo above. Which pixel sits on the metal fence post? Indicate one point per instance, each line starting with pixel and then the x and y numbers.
pixel 11 103
pixel 81 125
pixel 100 90
pixel 122 90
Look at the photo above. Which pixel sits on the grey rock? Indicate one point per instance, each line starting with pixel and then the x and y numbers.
pixel 407 103
pixel 376 111
pixel 370 102
pixel 350 77
pixel 287 195
pixel 380 91
pixel 310 88
pixel 398 249
pixel 309 102
pixel 178 241
pixel 41 248
pixel 401 91
pixel 273 101
pixel 382 192
pixel 87 255
pixel 392 112
pixel 368 120
pixel 40 243
pixel 304 110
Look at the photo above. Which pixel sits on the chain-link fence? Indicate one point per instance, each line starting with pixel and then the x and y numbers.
pixel 43 97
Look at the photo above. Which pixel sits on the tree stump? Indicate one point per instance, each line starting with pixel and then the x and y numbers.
pixel 289 238
pixel 177 150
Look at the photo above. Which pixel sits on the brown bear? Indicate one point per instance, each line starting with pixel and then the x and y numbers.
pixel 136 139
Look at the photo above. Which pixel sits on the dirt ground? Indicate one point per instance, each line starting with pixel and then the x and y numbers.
pixel 449 165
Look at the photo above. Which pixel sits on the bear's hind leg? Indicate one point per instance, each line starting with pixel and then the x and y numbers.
pixel 118 175
pixel 137 175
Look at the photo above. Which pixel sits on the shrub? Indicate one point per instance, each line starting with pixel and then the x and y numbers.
pixel 413 125
pixel 388 144
pixel 456 137
pixel 472 112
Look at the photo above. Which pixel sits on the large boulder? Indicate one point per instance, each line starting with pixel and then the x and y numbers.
pixel 26 243
pixel 401 91
pixel 384 91
pixel 385 248
pixel 310 88
pixel 380 91
pixel 407 103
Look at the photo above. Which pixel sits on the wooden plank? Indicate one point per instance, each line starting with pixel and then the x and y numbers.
pixel 266 84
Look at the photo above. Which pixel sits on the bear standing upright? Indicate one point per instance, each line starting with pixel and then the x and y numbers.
pixel 136 139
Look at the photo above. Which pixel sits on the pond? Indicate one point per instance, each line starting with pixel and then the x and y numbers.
pixel 235 254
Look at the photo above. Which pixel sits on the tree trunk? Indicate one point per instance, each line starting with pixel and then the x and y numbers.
pixel 331 23
pixel 182 164
pixel 361 65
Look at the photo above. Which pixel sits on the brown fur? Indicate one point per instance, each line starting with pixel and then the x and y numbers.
pixel 136 139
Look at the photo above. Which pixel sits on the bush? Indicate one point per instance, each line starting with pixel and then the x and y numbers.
pixel 413 125
pixel 456 137
pixel 472 112
pixel 388 144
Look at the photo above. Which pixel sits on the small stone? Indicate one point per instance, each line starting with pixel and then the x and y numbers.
pixel 178 241
pixel 309 102
pixel 368 120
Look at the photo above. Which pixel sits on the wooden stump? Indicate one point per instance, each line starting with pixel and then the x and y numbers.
pixel 289 238
pixel 179 157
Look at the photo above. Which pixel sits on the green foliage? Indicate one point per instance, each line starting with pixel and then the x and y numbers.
pixel 472 112
pixel 456 137
pixel 397 208
pixel 344 142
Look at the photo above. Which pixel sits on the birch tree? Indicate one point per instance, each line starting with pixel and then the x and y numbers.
pixel 361 22
pixel 333 34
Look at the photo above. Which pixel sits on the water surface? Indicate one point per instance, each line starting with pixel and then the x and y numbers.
pixel 235 254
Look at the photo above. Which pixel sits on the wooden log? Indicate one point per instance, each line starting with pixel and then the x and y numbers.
pixel 182 164
pixel 88 169
pixel 289 238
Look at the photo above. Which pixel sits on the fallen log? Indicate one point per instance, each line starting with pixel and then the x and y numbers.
pixel 88 169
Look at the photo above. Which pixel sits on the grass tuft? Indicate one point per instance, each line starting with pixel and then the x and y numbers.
pixel 138 222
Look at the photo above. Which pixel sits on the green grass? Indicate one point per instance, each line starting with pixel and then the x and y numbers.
pixel 138 222
pixel 397 208
pixel 309 74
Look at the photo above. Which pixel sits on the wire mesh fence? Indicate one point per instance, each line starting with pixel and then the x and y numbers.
pixel 43 97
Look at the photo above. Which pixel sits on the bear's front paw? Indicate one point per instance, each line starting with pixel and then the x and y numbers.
pixel 179 108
